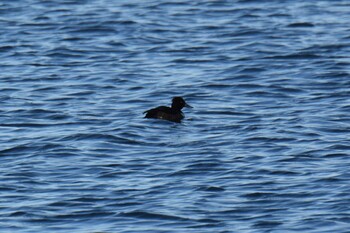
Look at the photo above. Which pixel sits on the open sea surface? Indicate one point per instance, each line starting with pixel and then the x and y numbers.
pixel 265 149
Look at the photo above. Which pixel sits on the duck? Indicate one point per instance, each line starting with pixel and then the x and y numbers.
pixel 172 113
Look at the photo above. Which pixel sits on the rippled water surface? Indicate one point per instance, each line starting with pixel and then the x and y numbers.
pixel 265 148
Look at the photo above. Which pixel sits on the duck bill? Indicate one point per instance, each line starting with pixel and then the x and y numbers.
pixel 188 106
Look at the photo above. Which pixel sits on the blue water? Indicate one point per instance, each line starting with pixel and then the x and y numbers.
pixel 265 148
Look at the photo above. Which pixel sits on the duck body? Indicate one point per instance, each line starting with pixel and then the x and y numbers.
pixel 165 113
pixel 172 113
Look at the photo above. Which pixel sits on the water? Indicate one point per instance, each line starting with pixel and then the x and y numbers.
pixel 265 148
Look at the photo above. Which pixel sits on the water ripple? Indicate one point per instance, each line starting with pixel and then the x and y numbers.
pixel 263 150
